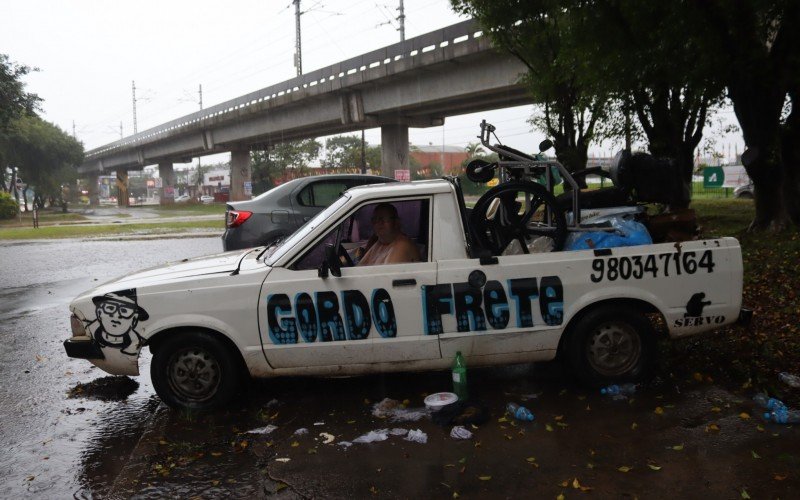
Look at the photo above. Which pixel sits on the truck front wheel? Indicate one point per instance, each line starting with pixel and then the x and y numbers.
pixel 611 344
pixel 195 371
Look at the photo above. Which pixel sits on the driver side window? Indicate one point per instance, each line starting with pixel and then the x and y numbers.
pixel 357 230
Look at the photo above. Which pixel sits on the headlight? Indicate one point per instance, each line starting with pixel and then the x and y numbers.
pixel 78 329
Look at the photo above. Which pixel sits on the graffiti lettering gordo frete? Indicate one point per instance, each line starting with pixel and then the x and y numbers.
pixel 350 315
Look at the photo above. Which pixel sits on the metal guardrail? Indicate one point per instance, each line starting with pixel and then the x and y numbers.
pixel 410 48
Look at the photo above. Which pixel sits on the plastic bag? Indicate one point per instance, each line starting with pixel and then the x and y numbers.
pixel 626 233
pixel 417 436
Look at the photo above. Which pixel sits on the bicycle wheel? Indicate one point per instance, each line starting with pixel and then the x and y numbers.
pixel 519 211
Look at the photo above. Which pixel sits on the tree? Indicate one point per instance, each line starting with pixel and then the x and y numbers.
pixel 14 101
pixel 270 166
pixel 542 35
pixel 473 149
pixel 753 47
pixel 43 155
pixel 342 151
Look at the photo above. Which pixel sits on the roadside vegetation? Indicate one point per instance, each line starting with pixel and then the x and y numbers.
pixel 145 228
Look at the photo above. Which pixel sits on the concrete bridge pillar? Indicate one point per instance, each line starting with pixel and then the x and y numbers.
pixel 167 192
pixel 394 149
pixel 241 175
pixel 94 195
pixel 122 186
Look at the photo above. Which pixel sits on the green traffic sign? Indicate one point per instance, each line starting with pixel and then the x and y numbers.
pixel 713 177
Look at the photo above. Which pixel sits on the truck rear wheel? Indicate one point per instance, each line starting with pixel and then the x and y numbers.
pixel 611 344
pixel 195 371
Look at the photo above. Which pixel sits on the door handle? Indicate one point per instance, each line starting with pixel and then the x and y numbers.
pixel 408 282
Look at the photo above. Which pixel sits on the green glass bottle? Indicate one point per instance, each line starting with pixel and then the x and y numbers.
pixel 460 377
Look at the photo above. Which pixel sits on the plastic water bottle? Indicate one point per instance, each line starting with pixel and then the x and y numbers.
pixel 783 416
pixel 519 412
pixel 460 377
pixel 767 402
pixel 615 390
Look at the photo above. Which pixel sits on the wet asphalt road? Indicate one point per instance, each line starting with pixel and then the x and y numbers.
pixel 69 430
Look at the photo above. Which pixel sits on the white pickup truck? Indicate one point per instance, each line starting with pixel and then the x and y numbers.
pixel 303 308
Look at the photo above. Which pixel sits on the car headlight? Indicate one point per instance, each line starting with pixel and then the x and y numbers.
pixel 78 328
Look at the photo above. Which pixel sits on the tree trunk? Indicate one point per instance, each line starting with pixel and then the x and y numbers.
pixel 757 101
pixel 790 153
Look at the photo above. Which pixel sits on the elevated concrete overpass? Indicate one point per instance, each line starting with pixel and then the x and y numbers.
pixel 415 83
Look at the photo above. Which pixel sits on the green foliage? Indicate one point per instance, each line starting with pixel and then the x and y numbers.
pixel 14 101
pixel 342 151
pixel 8 206
pixel 44 155
pixel 270 166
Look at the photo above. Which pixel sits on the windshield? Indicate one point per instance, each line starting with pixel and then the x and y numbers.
pixel 306 228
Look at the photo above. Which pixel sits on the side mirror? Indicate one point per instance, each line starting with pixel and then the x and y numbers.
pixel 545 145
pixel 322 270
pixel 332 260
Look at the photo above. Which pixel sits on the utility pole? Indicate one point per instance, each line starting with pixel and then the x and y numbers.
pixel 402 19
pixel 199 163
pixel 298 59
pixel 133 89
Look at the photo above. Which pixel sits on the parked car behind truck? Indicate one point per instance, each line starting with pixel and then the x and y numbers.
pixel 302 308
pixel 278 213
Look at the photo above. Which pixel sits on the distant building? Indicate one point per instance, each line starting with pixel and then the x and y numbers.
pixel 449 157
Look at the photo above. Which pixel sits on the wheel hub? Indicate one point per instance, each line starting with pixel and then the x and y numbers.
pixel 614 349
pixel 194 374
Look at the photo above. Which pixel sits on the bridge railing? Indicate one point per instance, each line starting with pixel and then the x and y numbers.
pixel 412 47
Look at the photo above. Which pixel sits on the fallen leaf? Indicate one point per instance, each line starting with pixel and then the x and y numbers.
pixel 295 444
pixel 576 484
pixel 697 376
pixel 215 482
pixel 558 418
pixel 485 478
pixel 712 428
pixel 162 442
pixel 502 419
pixel 659 410
pixel 351 421
pixel 284 460
pixel 755 455
pixel 744 416
pixel 634 426
pixel 326 438
pixel 716 409
pixel 562 424
pixel 654 467
pixel 745 496
pixel 760 428
pixel 590 465
pixel 778 477
pixel 624 468
pixel 565 483
pixel 560 496
pixel 373 490
pixel 548 427
pixel 677 447
pixel 456 495
pixel 463 460
pixel 531 459
pixel 216 454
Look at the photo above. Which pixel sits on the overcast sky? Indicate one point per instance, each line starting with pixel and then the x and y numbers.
pixel 89 52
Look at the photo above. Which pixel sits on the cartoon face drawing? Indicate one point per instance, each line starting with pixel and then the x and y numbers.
pixel 118 313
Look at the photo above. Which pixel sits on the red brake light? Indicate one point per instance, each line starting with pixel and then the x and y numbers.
pixel 235 218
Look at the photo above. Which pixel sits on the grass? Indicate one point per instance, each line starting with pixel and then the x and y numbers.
pixel 45 217
pixel 52 232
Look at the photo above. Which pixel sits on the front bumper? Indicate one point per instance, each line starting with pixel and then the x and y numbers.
pixel 83 349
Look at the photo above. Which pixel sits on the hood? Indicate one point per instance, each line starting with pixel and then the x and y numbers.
pixel 226 262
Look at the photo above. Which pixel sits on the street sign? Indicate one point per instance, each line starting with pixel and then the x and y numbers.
pixel 713 177
pixel 248 188
pixel 402 175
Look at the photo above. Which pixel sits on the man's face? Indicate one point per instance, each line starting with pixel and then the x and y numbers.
pixel 116 317
pixel 385 225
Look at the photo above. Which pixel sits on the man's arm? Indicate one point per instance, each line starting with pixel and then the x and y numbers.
pixel 404 251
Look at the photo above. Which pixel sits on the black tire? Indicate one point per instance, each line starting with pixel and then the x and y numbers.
pixel 196 371
pixel 495 235
pixel 610 345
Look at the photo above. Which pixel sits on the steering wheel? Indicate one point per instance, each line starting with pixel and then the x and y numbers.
pixel 521 211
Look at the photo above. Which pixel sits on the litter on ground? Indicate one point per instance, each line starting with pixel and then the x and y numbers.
pixel 263 430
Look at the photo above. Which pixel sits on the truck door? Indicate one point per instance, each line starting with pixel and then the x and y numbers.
pixel 368 315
